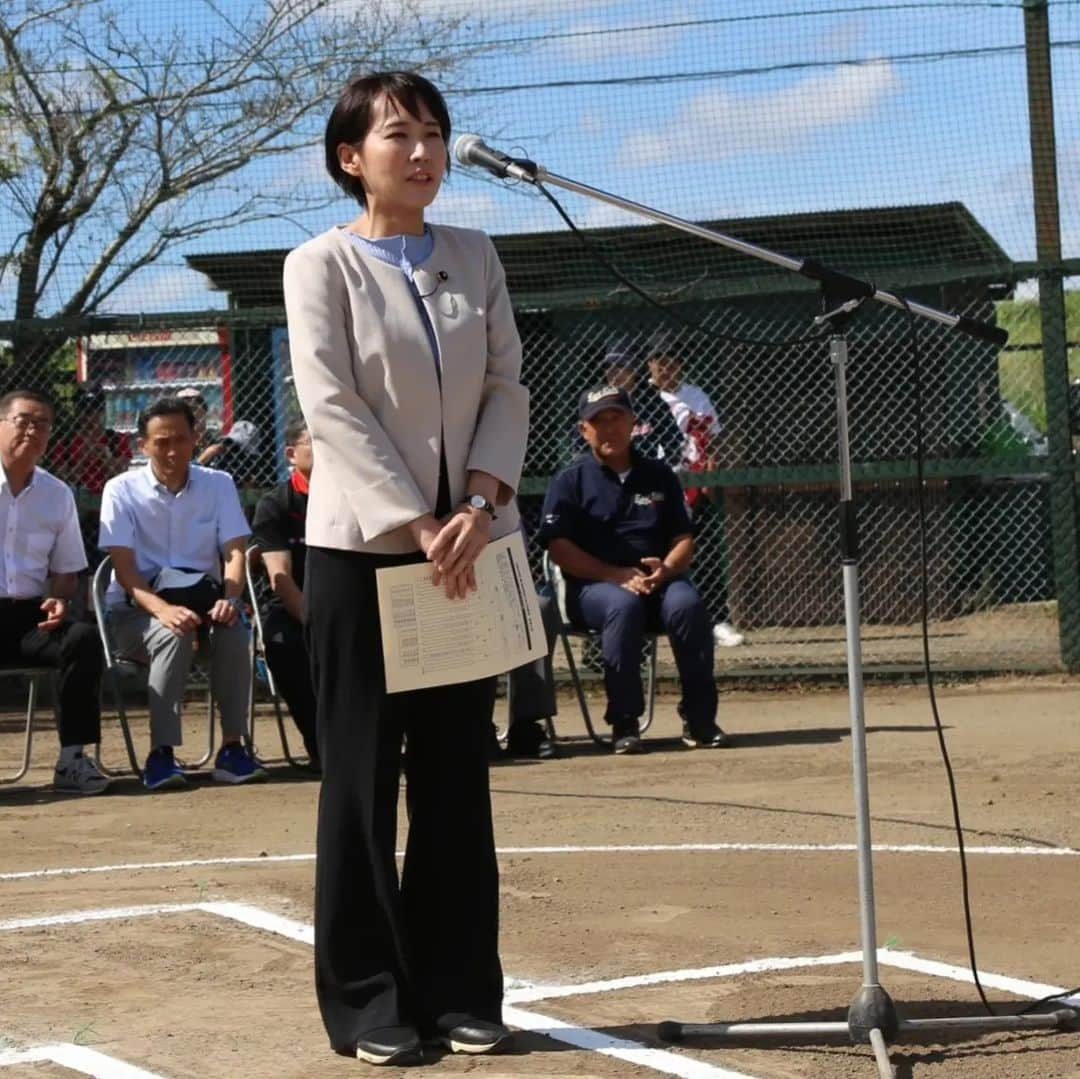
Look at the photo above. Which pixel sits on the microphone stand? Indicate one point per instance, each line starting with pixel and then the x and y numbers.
pixel 872 1017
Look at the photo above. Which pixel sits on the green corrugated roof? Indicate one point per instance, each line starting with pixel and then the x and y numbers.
pixel 901 246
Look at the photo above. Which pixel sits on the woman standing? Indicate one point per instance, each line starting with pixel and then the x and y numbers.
pixel 406 360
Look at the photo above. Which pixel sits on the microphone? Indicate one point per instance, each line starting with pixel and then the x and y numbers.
pixel 472 150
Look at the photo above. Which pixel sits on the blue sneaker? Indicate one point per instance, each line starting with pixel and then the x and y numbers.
pixel 235 764
pixel 161 771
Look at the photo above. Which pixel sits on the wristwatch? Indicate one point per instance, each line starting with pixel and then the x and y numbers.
pixel 479 502
pixel 236 603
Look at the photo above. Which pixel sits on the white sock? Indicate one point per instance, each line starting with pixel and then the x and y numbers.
pixel 69 753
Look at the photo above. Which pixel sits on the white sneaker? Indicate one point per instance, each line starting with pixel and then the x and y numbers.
pixel 726 635
pixel 80 776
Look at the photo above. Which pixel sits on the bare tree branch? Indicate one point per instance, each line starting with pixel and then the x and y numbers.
pixel 124 138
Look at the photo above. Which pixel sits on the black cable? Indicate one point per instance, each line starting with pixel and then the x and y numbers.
pixel 924 607
pixel 1029 1008
pixel 924 586
pixel 698 327
pixel 924 601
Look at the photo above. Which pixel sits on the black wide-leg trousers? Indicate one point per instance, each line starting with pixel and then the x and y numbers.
pixel 423 947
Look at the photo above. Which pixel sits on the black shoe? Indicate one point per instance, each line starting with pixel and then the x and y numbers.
pixel 528 738
pixel 474 1036
pixel 625 735
pixel 399 1046
pixel 711 738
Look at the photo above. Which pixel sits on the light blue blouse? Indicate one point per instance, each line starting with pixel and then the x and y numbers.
pixel 406 253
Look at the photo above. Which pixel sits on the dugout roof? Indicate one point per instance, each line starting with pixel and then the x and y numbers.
pixel 895 247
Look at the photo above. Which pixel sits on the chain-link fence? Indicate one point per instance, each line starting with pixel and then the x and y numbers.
pixel 844 100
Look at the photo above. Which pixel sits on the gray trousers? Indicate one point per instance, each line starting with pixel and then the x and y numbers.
pixel 139 636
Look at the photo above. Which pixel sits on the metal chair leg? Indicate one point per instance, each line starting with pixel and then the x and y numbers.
pixel 651 687
pixel 575 677
pixel 504 733
pixel 280 717
pixel 31 704
pixel 125 730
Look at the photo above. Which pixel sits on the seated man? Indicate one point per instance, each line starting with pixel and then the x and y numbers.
pixel 41 553
pixel 616 524
pixel 279 531
pixel 168 527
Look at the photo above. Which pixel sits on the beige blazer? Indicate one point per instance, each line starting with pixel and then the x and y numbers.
pixel 369 390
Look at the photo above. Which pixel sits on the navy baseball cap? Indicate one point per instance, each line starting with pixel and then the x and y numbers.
pixel 598 398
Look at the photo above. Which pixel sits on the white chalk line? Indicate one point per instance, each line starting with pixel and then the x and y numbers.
pixel 78 1058
pixel 525 992
pixel 621 1048
pixel 580 1037
pixel 629 848
pixel 256 917
pixel 1019 986
pixel 667 977
pixel 79 917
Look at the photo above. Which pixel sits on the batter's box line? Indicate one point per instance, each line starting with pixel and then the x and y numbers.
pixel 78 1058
pixel 632 1052
pixel 618 848
pixel 520 992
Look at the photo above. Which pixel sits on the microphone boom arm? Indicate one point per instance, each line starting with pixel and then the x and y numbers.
pixel 841 284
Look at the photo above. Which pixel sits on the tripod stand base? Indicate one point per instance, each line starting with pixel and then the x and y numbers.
pixel 872 1009
pixel 1064 1019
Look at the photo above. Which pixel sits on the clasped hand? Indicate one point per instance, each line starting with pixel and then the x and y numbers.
pixel 181 620
pixel 644 581
pixel 453 547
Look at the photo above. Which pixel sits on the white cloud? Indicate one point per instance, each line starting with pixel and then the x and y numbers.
pixel 594 42
pixel 844 38
pixel 719 124
pixel 469 209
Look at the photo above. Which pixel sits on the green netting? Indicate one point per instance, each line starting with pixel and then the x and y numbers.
pixel 157 162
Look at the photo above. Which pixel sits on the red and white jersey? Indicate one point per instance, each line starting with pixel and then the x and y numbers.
pixel 696 417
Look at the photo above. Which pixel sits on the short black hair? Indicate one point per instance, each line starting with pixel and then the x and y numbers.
pixel 165 406
pixel 351 118
pixel 295 430
pixel 26 395
pixel 88 400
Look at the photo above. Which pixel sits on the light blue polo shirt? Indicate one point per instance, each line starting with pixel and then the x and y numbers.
pixel 185 530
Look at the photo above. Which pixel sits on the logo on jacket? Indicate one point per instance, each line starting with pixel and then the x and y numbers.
pixel 649 499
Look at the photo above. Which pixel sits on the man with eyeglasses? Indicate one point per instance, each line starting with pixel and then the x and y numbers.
pixel 41 554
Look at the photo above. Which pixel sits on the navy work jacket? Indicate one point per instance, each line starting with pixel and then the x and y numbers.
pixel 617 521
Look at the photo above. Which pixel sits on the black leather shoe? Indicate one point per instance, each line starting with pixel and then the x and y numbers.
pixel 475 1036
pixel 399 1046
pixel 625 735
pixel 712 738
pixel 528 738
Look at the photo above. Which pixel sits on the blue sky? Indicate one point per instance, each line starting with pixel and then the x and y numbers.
pixel 740 108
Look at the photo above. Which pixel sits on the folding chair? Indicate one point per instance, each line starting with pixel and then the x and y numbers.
pixel 32 674
pixel 121 670
pixel 258 657
pixel 553 578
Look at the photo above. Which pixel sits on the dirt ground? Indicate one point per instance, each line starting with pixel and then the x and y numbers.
pixel 187 993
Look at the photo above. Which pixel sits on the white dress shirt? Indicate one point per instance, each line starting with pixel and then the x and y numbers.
pixel 185 530
pixel 39 535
